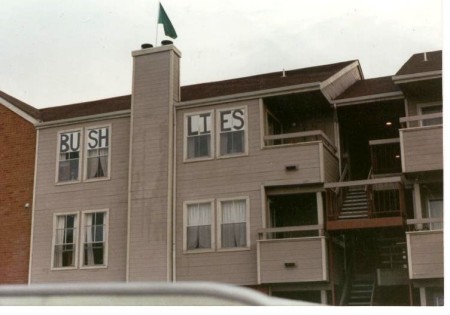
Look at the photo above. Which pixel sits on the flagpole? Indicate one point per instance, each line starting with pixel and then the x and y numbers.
pixel 157 19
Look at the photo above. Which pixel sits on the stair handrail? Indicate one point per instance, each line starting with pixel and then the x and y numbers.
pixel 339 198
pixel 344 291
pixel 372 297
pixel 369 194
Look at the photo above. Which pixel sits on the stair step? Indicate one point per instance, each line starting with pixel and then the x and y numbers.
pixel 359 304
pixel 355 216
pixel 353 209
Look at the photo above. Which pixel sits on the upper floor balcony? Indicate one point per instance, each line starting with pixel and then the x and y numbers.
pixel 425 246
pixel 421 143
pixel 292 254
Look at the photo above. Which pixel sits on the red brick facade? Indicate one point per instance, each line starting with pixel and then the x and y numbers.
pixel 17 153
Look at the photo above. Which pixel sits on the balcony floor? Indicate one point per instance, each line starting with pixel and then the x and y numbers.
pixel 350 224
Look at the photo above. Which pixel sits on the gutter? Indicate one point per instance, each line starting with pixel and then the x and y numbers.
pixel 406 78
pixel 251 95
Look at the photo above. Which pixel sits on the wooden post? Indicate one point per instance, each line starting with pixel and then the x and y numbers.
pixel 370 202
pixel 401 197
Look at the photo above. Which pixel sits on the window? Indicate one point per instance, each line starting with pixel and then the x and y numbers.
pixel 232 139
pixel 94 238
pixel 97 146
pixel 198 231
pixel 198 133
pixel 65 241
pixel 69 156
pixel 436 210
pixel 233 223
pixel 426 109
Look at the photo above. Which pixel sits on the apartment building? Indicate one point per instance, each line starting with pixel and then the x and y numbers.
pixel 17 152
pixel 313 184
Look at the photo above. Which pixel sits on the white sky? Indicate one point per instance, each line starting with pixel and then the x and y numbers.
pixel 57 52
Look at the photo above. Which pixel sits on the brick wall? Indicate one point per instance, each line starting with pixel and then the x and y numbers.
pixel 17 152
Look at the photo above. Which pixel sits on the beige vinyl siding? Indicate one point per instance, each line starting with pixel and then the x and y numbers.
pixel 425 254
pixel 340 85
pixel 306 253
pixel 330 166
pixel 106 194
pixel 422 149
pixel 237 177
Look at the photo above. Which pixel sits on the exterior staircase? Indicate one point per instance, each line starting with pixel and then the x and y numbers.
pixel 361 291
pixel 355 205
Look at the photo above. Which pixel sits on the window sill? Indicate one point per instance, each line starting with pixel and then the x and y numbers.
pixel 229 156
pixel 94 267
pixel 100 179
pixel 198 251
pixel 63 268
pixel 200 159
pixel 233 249
pixel 68 182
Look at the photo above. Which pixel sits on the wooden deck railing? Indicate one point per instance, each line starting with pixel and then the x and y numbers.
pixel 385 196
pixel 290 232
pixel 299 137
pixel 421 120
pixel 385 156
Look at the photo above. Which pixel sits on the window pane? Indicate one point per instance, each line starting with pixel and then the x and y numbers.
pixel 94 240
pixel 199 220
pixel 432 110
pixel 69 154
pixel 232 142
pixel 64 250
pixel 97 144
pixel 199 146
pixel 234 225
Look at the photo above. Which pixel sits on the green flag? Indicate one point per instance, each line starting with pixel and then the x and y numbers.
pixel 163 19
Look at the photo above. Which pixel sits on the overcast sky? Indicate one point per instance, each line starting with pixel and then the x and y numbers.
pixel 57 52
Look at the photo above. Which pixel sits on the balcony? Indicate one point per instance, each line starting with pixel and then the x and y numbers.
pixel 421 143
pixel 371 203
pixel 294 257
pixel 385 156
pixel 425 244
pixel 308 156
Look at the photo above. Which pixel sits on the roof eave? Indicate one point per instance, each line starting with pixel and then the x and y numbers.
pixel 369 98
pixel 414 77
pixel 306 87
pixel 18 111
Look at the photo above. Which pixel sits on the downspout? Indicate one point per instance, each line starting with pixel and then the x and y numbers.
pixel 33 205
pixel 174 197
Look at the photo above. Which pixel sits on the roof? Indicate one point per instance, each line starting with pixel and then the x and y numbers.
pixel 87 108
pixel 368 87
pixel 417 63
pixel 261 82
pixel 30 110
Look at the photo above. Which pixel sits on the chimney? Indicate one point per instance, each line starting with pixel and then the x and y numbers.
pixel 425 56
pixel 155 89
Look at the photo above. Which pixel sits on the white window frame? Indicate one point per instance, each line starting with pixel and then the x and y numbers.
pixel 82 238
pixel 185 137
pixel 421 106
pixel 218 132
pixel 213 220
pixel 219 223
pixel 75 236
pixel 85 163
pixel 80 163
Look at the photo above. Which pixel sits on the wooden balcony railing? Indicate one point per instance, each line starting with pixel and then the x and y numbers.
pixel 421 120
pixel 299 137
pixel 290 232
pixel 385 156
